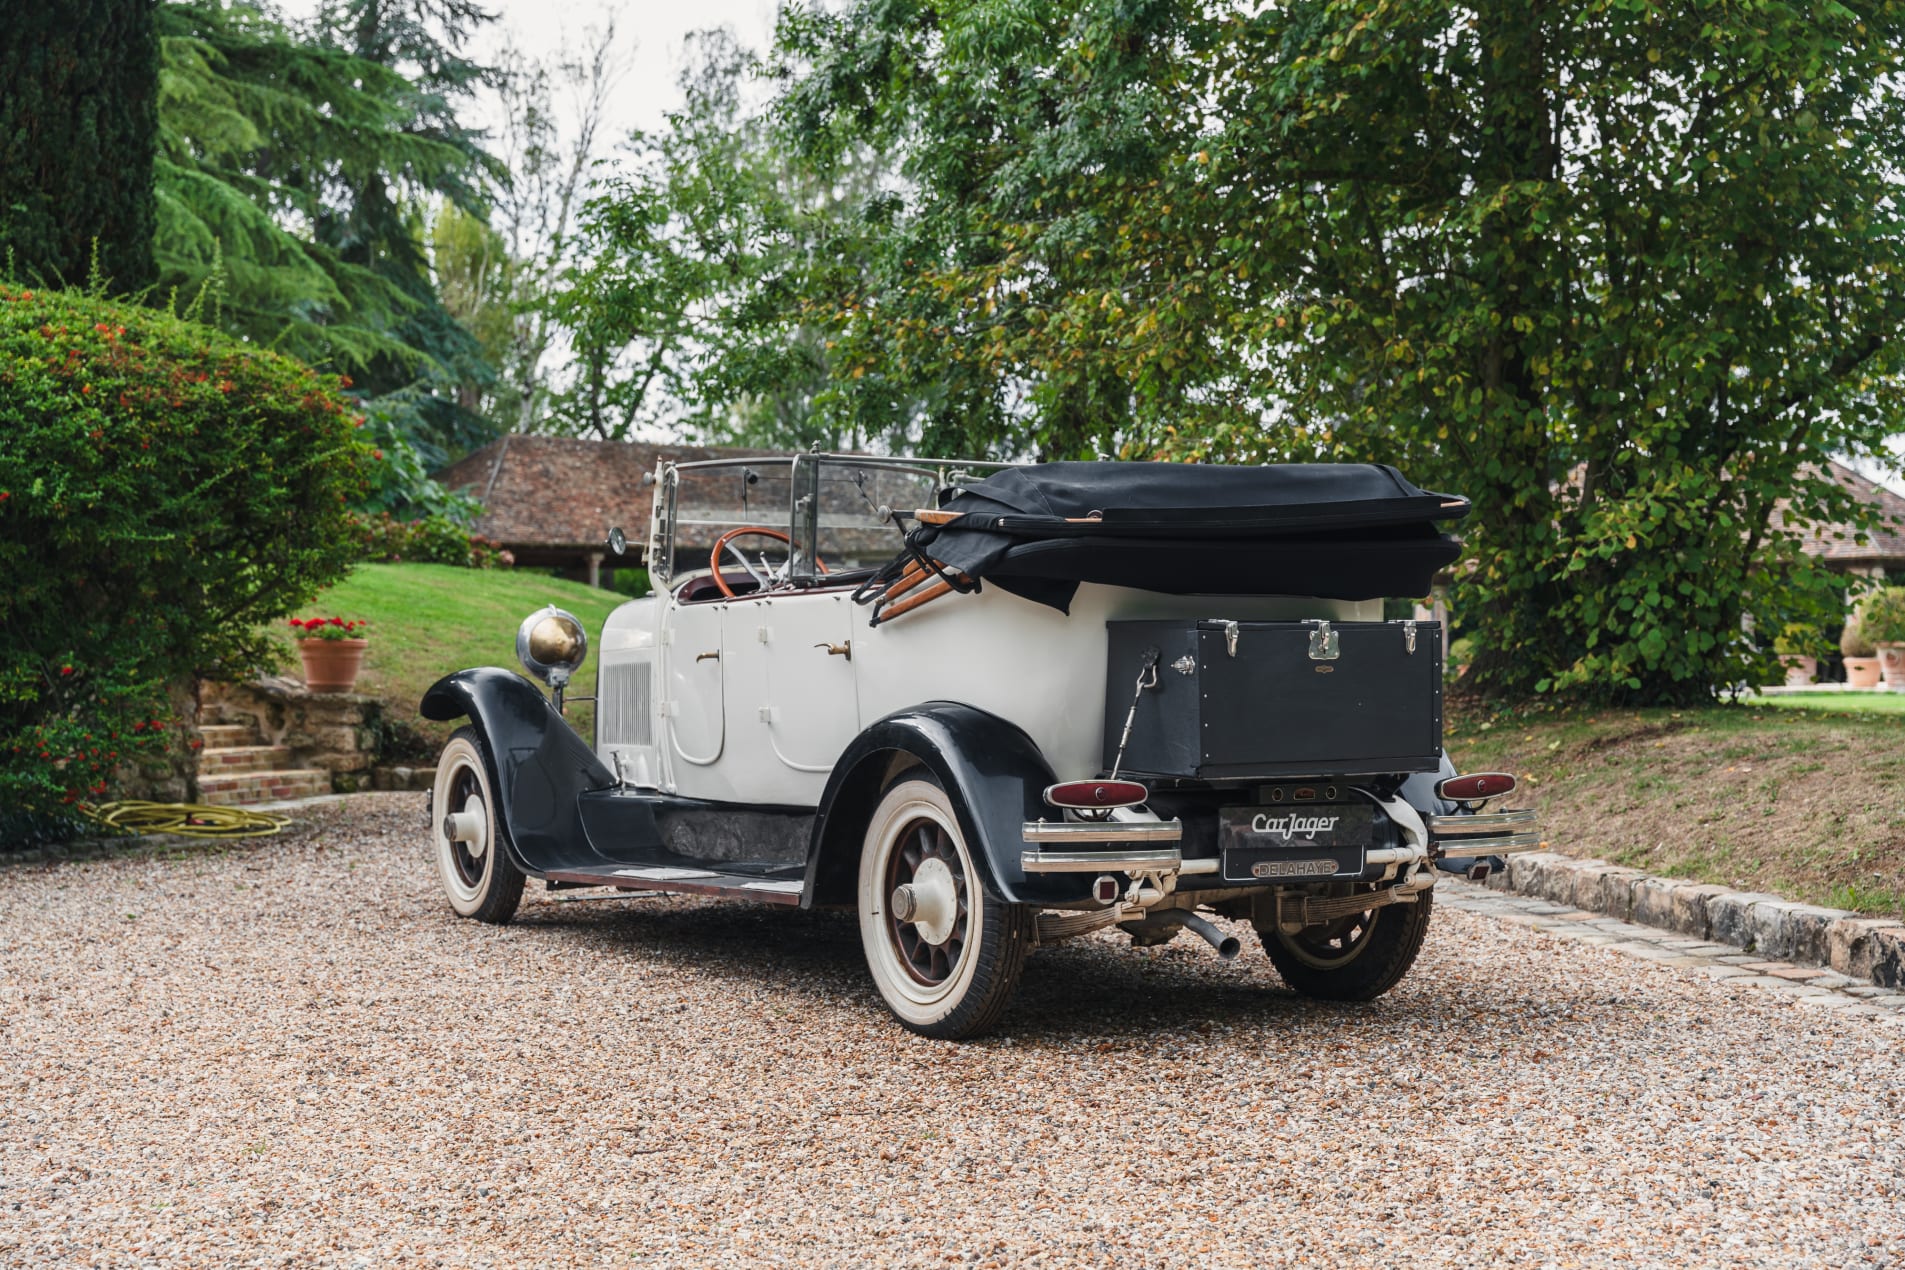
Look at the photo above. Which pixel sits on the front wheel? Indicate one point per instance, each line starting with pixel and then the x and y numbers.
pixel 945 955
pixel 477 874
pixel 1354 958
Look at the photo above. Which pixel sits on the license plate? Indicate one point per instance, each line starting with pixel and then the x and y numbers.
pixel 1295 844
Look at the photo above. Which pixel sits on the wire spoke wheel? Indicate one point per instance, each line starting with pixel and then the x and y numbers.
pixel 944 954
pixel 1353 958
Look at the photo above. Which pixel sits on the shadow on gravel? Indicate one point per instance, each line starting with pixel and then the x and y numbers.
pixel 1087 988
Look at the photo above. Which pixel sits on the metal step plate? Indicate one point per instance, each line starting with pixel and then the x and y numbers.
pixel 694 881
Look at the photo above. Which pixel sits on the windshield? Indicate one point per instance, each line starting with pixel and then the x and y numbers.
pixel 706 502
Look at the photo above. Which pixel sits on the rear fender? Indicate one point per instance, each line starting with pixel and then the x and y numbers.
pixel 538 766
pixel 993 772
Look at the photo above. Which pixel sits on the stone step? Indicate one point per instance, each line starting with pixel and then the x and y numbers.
pixel 241 789
pixel 225 736
pixel 225 760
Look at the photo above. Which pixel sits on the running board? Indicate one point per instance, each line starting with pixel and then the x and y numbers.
pixel 663 877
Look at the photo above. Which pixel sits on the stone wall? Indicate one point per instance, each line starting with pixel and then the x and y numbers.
pixel 336 732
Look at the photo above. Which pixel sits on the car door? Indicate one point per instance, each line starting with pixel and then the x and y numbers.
pixel 812 706
pixel 692 652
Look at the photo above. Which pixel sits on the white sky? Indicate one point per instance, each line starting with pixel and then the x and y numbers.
pixel 650 32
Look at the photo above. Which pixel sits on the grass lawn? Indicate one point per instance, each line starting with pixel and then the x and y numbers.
pixel 1841 702
pixel 427 620
pixel 1805 798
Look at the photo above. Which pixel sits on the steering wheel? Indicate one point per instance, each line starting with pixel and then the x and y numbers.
pixel 726 543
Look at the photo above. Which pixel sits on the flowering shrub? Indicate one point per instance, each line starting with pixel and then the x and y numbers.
pixel 431 540
pixel 164 489
pixel 328 627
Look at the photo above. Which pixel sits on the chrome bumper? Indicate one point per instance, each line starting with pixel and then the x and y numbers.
pixel 1485 834
pixel 1122 846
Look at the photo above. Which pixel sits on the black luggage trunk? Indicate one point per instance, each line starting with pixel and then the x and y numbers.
pixel 1267 699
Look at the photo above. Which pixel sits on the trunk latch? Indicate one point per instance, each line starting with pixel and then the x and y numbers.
pixel 1325 644
pixel 1230 638
pixel 1409 636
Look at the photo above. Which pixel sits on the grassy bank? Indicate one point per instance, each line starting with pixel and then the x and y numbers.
pixel 427 620
pixel 1801 798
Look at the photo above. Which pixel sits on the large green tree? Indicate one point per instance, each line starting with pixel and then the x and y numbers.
pixel 78 111
pixel 691 303
pixel 1626 274
pixel 297 169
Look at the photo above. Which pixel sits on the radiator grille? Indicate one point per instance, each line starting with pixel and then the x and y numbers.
pixel 627 715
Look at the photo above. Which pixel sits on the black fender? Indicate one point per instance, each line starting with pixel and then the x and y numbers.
pixel 993 772
pixel 1419 792
pixel 538 766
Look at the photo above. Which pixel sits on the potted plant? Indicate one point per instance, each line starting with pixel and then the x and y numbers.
pixel 332 652
pixel 1861 659
pixel 1882 618
pixel 1799 647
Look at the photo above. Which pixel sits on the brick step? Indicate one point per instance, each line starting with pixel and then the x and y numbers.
pixel 227 760
pixel 241 789
pixel 226 736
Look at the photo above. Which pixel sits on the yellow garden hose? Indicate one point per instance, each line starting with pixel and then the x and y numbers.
pixel 198 820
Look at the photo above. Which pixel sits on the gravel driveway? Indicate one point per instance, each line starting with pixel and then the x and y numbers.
pixel 292 1053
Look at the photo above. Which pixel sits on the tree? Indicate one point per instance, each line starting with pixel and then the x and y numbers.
pixel 375 218
pixel 497 277
pixel 78 108
pixel 687 305
pixel 1625 274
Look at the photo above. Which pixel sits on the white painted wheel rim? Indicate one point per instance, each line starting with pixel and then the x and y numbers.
pixel 464 867
pixel 906 809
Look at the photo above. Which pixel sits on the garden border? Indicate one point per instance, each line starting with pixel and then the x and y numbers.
pixel 1848 943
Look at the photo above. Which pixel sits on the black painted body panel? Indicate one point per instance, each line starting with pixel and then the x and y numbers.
pixel 993 771
pixel 539 767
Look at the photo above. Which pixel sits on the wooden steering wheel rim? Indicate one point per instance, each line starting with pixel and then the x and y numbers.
pixel 721 544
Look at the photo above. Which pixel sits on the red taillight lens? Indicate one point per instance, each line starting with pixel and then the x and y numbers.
pixel 1096 795
pixel 1468 789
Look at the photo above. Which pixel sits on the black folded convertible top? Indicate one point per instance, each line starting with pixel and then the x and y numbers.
pixel 1347 531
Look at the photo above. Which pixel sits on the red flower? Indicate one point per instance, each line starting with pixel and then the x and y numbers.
pixel 65 671
pixel 378 455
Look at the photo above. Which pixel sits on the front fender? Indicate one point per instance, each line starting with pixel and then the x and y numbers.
pixel 538 766
pixel 994 772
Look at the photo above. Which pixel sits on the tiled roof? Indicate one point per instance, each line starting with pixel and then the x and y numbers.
pixel 566 491
pixel 1885 541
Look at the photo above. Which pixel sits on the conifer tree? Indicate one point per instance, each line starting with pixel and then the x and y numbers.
pixel 78 117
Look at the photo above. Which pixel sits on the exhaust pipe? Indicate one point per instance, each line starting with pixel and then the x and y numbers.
pixel 1227 946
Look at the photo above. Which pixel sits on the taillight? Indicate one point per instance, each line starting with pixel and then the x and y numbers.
pixel 1096 795
pixel 1470 789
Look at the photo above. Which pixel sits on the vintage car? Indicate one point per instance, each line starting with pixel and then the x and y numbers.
pixel 992 707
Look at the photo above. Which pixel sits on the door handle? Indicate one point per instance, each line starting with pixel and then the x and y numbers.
pixel 838 650
pixel 713 656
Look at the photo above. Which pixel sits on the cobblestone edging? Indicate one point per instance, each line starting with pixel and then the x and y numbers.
pixel 1747 921
pixel 1805 985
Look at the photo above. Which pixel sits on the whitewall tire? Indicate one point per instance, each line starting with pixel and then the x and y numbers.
pixel 944 954
pixel 476 872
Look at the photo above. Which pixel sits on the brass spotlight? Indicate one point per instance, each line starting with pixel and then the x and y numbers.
pixel 551 645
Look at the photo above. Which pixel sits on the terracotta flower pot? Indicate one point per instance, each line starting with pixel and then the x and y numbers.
pixel 331 665
pixel 1862 672
pixel 1892 665
pixel 1800 669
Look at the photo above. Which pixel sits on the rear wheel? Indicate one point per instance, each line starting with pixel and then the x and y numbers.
pixel 477 874
pixel 945 955
pixel 1353 958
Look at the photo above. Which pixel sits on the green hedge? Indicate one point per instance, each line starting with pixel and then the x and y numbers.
pixel 429 540
pixel 166 492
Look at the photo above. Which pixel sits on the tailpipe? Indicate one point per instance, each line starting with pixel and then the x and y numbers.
pixel 1226 945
